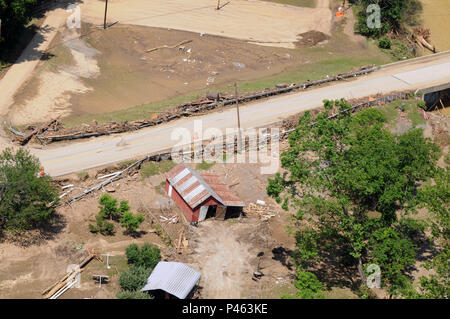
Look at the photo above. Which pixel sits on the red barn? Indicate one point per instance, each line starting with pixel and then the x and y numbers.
pixel 201 196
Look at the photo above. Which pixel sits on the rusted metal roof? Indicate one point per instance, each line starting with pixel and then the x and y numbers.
pixel 195 188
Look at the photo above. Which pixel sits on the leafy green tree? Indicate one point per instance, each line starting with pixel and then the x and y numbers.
pixel 393 253
pixel 395 14
pixel 108 207
pixel 148 256
pixel 134 278
pixel 14 15
pixel 131 222
pixel 26 200
pixel 133 254
pixel 102 226
pixel 338 171
pixel 308 285
pixel 437 198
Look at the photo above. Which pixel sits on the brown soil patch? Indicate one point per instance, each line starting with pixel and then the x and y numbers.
pixel 312 38
pixel 225 252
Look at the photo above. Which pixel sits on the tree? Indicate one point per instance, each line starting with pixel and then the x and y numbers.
pixel 131 222
pixel 108 207
pixel 134 278
pixel 148 256
pixel 26 200
pixel 437 198
pixel 337 171
pixel 392 252
pixel 308 285
pixel 14 15
pixel 102 226
pixel 393 15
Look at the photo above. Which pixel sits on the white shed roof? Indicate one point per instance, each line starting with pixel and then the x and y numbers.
pixel 173 277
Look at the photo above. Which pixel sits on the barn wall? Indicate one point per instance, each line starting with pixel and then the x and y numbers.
pixel 180 202
pixel 192 215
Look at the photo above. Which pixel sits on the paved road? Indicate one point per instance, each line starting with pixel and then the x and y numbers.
pixel 413 74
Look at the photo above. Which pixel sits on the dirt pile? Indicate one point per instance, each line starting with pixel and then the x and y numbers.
pixel 311 38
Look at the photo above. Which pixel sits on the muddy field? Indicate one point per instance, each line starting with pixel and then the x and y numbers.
pixel 107 72
pixel 91 73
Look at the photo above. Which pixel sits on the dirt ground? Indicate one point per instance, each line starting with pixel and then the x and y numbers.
pixel 96 74
pixel 223 251
pixel 254 21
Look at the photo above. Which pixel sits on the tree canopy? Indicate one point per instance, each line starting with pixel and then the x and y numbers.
pixel 393 15
pixel 352 182
pixel 27 200
pixel 14 15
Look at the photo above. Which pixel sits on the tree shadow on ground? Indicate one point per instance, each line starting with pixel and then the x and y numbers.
pixel 37 236
pixel 283 255
pixel 337 269
pixel 136 234
pixel 31 36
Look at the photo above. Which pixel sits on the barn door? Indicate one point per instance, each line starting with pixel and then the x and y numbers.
pixel 220 212
pixel 203 212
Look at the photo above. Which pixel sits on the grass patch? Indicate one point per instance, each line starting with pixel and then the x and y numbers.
pixel 155 168
pixel 390 111
pixel 83 175
pixel 204 166
pixel 297 3
pixel 447 158
pixel 399 51
pixel 414 116
pixel 118 264
pixel 160 188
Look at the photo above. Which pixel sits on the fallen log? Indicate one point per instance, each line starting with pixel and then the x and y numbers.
pixel 425 44
pixel 38 130
pixel 169 47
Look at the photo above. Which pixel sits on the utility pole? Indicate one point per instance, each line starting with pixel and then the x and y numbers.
pixel 237 109
pixel 107 260
pixel 218 5
pixel 106 10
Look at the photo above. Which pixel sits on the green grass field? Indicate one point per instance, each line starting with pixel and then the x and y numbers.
pixel 298 3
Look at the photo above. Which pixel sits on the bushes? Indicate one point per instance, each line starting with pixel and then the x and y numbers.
pixel 125 294
pixel 148 256
pixel 384 43
pixel 131 222
pixel 142 261
pixel 134 278
pixel 110 210
pixel 102 226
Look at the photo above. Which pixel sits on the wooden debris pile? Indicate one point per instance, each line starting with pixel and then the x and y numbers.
pixel 422 37
pixel 263 212
pixel 68 280
pixel 202 104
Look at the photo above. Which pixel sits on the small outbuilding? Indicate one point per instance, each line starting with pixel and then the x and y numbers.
pixel 172 279
pixel 201 196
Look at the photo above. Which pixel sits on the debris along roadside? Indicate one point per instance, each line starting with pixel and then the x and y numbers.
pixel 58 133
pixel 287 127
pixel 68 280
